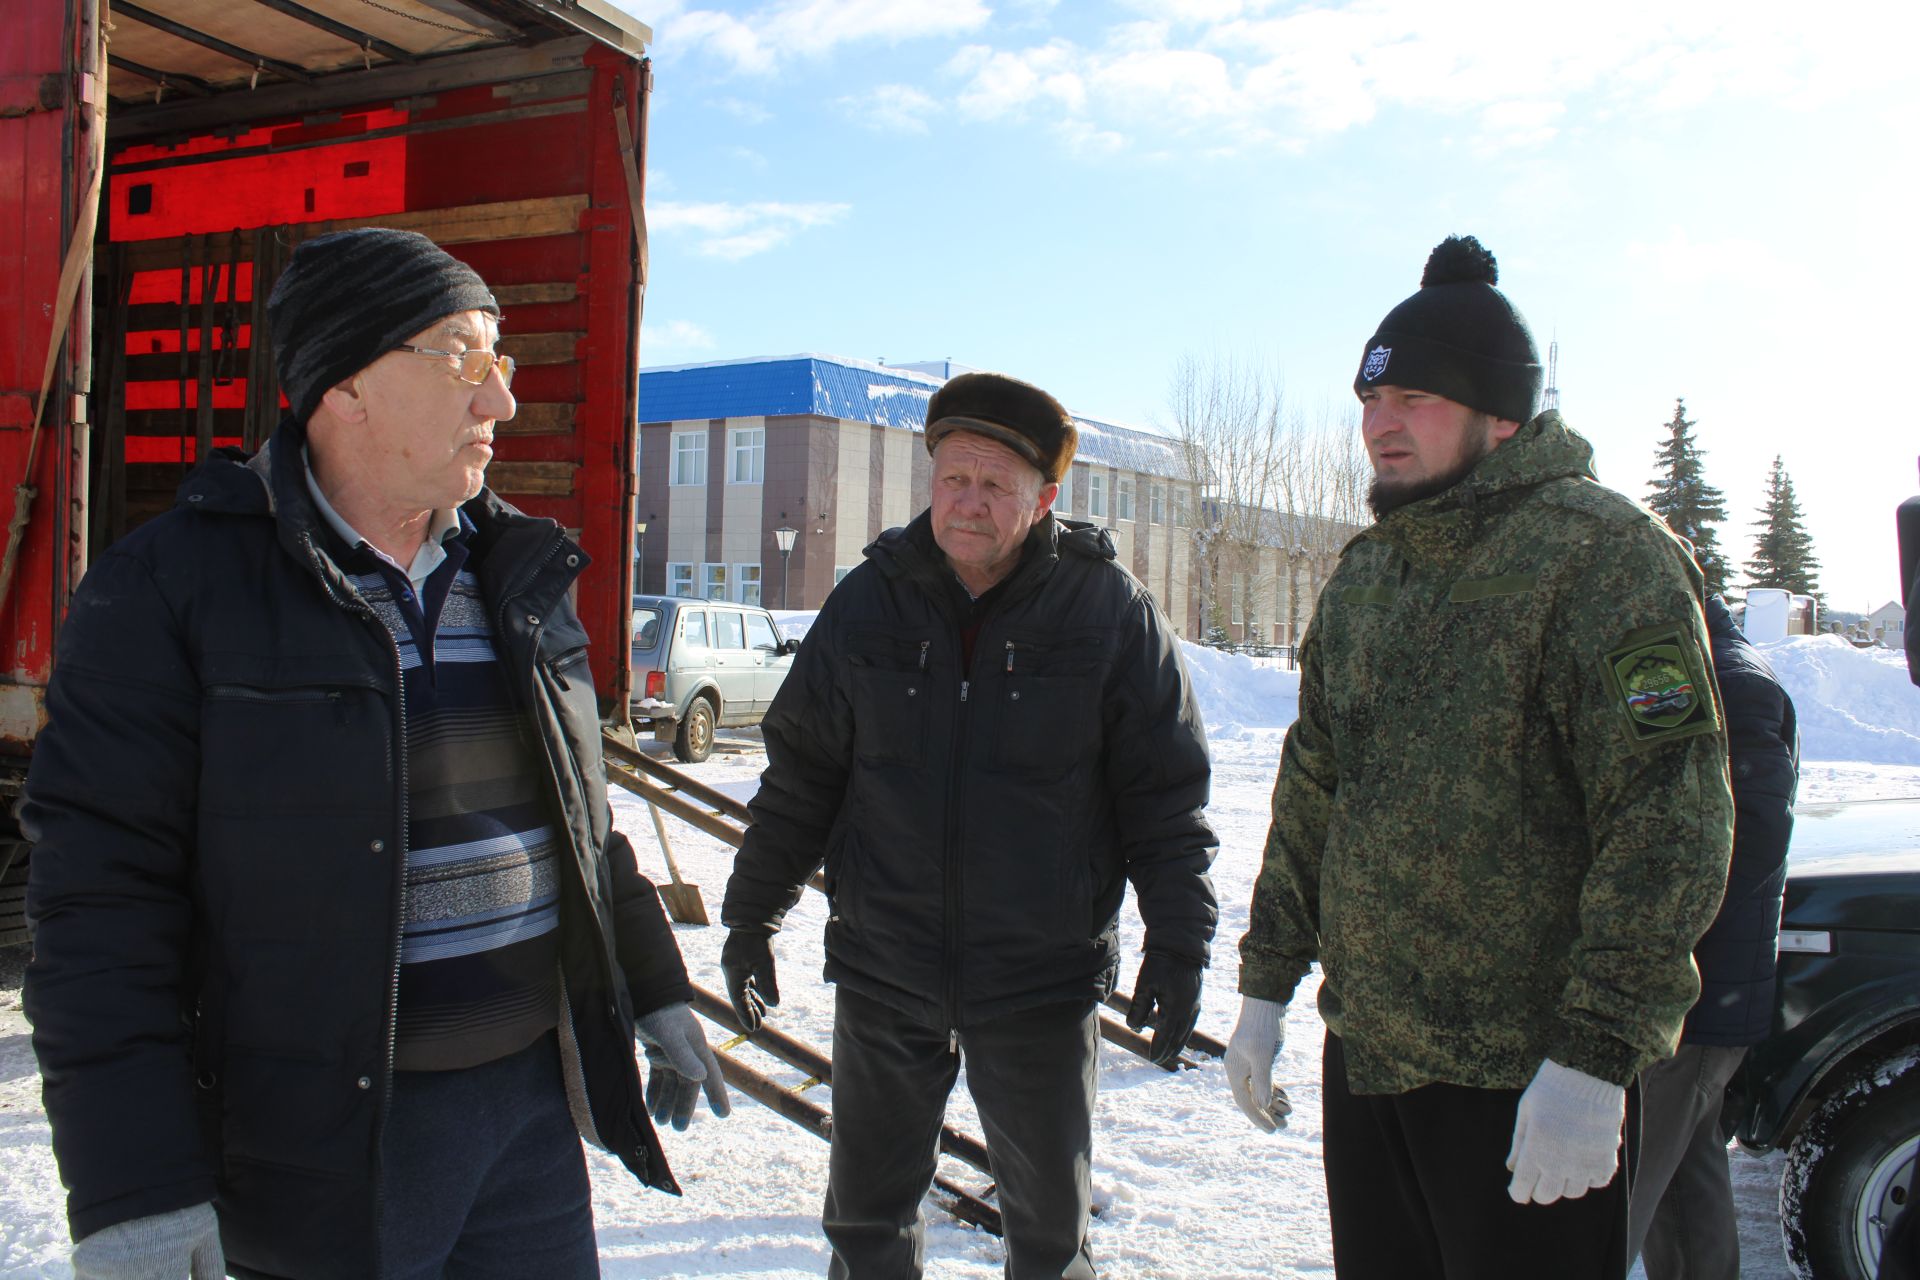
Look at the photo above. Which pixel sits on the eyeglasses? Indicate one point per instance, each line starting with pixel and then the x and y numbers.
pixel 475 362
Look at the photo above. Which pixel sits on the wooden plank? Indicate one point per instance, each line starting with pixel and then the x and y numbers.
pixel 471 224
pixel 523 295
pixel 349 89
pixel 538 420
pixel 541 348
pixel 545 479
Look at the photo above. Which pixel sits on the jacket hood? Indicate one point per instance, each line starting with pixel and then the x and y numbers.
pixel 1543 450
pixel 911 549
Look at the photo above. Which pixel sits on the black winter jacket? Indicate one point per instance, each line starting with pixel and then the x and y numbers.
pixel 978 827
pixel 218 810
pixel 1737 957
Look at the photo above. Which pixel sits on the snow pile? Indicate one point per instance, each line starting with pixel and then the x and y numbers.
pixel 1853 704
pixel 1241 696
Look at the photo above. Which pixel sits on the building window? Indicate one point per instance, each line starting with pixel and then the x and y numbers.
pixel 748 445
pixel 713 581
pixel 746 579
pixel 1238 616
pixel 1123 498
pixel 1156 508
pixel 680 580
pixel 1063 501
pixel 1096 495
pixel 840 571
pixel 689 457
pixel 1180 507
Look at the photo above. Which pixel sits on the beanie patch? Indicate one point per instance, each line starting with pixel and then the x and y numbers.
pixel 1376 363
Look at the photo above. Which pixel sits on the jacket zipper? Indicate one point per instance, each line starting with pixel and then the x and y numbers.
pixel 572 1039
pixel 398 746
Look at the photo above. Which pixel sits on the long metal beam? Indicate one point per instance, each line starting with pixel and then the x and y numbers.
pixel 147 17
pixel 352 35
pixel 166 79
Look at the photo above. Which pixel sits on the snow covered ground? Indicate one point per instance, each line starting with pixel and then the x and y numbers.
pixel 1183 1185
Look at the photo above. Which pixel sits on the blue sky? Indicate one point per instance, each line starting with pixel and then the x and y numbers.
pixel 1701 199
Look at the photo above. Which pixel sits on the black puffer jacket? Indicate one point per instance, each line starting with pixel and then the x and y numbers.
pixel 978 827
pixel 1737 957
pixel 217 809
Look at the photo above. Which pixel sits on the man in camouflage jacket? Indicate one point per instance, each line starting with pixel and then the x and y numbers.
pixel 1502 819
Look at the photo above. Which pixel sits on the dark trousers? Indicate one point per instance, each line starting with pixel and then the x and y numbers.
pixel 484 1174
pixel 1682 1204
pixel 1417 1190
pixel 1032 1077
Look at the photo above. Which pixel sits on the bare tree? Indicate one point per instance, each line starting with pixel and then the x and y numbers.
pixel 1327 506
pixel 1237 441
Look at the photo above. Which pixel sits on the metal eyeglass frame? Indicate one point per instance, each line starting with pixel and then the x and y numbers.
pixel 466 358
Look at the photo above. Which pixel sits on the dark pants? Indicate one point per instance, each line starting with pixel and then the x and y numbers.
pixel 1417 1190
pixel 1032 1077
pixel 484 1174
pixel 1682 1206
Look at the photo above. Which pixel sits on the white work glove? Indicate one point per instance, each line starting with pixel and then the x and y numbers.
pixel 679 1065
pixel 1566 1135
pixel 162 1246
pixel 1256 1042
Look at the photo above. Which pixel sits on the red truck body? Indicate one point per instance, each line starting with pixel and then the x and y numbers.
pixel 510 131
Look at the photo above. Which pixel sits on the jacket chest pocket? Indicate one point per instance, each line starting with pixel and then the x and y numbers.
pixel 891 691
pixel 276 738
pixel 1048 705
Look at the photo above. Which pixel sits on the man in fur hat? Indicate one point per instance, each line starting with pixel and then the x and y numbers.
pixel 988 732
pixel 1501 821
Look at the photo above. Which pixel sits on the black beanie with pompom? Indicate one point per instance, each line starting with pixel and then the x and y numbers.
pixel 1458 337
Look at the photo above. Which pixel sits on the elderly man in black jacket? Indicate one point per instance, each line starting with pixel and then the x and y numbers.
pixel 987 733
pixel 337 954
pixel 1681 1211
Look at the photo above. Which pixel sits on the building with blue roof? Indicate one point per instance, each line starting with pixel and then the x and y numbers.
pixel 832 448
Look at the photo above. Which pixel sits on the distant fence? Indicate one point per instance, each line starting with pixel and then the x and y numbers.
pixel 1284 652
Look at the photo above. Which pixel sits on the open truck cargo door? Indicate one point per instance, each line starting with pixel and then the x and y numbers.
pixel 221 134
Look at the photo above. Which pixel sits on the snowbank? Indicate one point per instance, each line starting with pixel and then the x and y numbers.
pixel 1853 704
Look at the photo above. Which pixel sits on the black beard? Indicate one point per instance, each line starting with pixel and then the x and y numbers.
pixel 1383 497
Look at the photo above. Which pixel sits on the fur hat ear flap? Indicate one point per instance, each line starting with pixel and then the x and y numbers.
pixel 1017 414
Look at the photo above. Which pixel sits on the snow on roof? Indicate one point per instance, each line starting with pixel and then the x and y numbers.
pixel 858 391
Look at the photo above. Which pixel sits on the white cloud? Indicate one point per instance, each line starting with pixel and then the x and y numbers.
pixel 753 45
pixel 735 231
pixel 1257 72
pixel 744 111
pixel 891 108
pixel 674 335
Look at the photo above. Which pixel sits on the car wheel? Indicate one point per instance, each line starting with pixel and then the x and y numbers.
pixel 1851 1171
pixel 694 740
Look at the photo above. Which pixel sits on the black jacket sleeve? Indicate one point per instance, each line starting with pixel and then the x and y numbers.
pixel 1158 773
pixel 110 803
pixel 809 735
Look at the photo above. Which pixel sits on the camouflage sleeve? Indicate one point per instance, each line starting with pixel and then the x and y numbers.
pixel 1634 701
pixel 1283 923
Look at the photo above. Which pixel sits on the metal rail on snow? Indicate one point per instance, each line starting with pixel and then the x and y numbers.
pixel 667 789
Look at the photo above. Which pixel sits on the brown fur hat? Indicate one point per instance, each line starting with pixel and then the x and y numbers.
pixel 1016 414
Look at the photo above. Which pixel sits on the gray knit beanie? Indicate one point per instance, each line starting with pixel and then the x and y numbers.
pixel 347 299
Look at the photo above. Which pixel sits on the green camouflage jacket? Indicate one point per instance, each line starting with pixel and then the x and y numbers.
pixel 1502 819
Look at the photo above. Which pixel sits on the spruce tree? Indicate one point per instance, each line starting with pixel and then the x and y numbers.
pixel 1681 496
pixel 1783 549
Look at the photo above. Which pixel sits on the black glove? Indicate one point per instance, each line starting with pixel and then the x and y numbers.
pixel 747 962
pixel 1174 986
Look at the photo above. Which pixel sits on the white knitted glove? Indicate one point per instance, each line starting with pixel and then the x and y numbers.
pixel 1256 1042
pixel 162 1246
pixel 1566 1135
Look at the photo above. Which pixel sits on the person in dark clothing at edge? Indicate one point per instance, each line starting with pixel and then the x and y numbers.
pixel 1501 821
pixel 345 957
pixel 1682 1198
pixel 987 732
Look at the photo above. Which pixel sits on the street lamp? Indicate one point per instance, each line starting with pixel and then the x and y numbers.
pixel 783 538
pixel 640 557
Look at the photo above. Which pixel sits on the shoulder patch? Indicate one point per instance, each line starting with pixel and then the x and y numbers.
pixel 1661 685
pixel 1379 593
